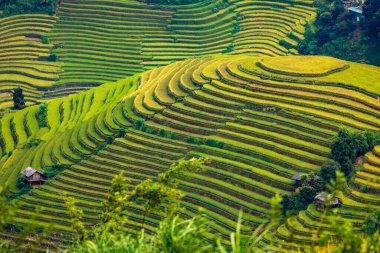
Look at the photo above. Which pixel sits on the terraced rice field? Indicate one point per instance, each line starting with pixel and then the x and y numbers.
pixel 271 124
pixel 21 51
pixel 101 41
pixel 358 203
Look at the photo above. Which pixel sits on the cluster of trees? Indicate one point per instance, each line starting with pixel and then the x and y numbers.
pixel 310 186
pixel 337 33
pixel 347 146
pixel 371 11
pixel 13 7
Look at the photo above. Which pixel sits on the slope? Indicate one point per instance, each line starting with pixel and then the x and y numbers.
pixel 256 124
pixel 22 57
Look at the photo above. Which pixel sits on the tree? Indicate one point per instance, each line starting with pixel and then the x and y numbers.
pixel 181 168
pixel 114 216
pixel 328 171
pixel 76 219
pixel 372 223
pixel 41 115
pixel 325 18
pixel 371 11
pixel 156 193
pixel 343 151
pixel 18 99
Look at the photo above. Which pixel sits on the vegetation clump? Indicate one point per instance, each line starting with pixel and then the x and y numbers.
pixel 41 115
pixel 13 7
pixel 347 146
pixel 18 99
pixel 339 34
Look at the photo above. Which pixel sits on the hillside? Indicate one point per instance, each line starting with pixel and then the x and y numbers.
pixel 358 202
pixel 258 119
pixel 158 35
pixel 104 41
pixel 21 50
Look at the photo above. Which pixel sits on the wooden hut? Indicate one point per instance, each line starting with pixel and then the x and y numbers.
pixel 324 200
pixel 298 177
pixel 33 177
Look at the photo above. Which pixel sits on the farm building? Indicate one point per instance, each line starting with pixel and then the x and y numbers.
pixel 33 177
pixel 357 12
pixel 325 199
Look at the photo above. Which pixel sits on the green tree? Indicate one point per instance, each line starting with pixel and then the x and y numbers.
pixel 118 199
pixel 181 169
pixel 328 171
pixel 76 219
pixel 371 11
pixel 41 115
pixel 372 223
pixel 155 195
pixel 18 99
pixel 343 150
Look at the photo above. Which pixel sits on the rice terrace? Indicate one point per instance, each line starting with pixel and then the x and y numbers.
pixel 190 126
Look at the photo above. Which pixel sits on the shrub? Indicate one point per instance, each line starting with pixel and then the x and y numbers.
pixel 328 171
pixel 190 139
pixel 52 57
pixel 41 115
pixel 45 39
pixel 13 7
pixel 173 136
pixel 236 27
pixel 372 223
pixel 18 99
pixel 110 139
pixel 162 133
pixel 138 124
pixel 228 49
pixel 214 143
pixel 346 147
pixel 33 142
pixel 52 171
pixel 121 133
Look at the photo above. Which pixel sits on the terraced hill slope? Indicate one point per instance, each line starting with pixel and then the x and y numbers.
pixel 257 120
pixel 358 203
pixel 107 40
pixel 20 53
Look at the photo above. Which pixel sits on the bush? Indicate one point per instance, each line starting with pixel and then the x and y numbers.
pixel 328 171
pixel 162 133
pixel 13 7
pixel 33 142
pixel 190 139
pixel 52 171
pixel 371 223
pixel 173 136
pixel 18 99
pixel 52 57
pixel 45 39
pixel 121 133
pixel 138 124
pixel 41 115
pixel 346 147
pixel 110 139
pixel 214 143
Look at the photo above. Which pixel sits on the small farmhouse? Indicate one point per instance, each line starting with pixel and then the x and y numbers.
pixel 357 12
pixel 324 200
pixel 33 177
